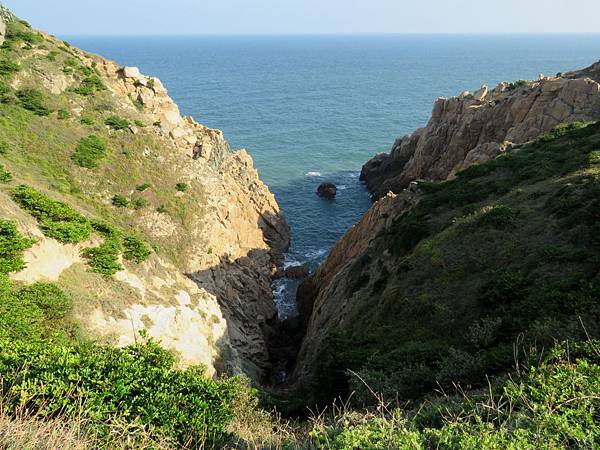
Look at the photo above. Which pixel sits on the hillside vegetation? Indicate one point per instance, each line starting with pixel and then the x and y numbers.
pixel 507 254
pixel 471 324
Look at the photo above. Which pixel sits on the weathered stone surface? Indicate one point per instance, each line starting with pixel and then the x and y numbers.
pixel 475 127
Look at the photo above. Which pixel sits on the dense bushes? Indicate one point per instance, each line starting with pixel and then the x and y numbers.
pixel 104 259
pixel 5 175
pixel 117 123
pixel 138 385
pixel 57 219
pixel 8 66
pixel 549 404
pixel 89 152
pixel 89 85
pixel 507 251
pixel 33 313
pixel 12 245
pixel 33 100
pixel 135 249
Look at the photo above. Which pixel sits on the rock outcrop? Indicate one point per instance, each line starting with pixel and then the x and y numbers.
pixel 476 127
pixel 206 290
pixel 327 190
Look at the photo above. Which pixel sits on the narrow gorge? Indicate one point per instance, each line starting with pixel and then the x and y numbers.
pixel 151 295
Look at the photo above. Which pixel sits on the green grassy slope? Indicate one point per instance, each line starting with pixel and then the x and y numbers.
pixel 507 254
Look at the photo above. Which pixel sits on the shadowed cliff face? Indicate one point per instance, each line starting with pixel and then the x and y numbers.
pixel 476 127
pixel 200 205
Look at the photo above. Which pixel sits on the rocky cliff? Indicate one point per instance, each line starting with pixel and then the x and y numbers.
pixel 437 282
pixel 214 227
pixel 476 127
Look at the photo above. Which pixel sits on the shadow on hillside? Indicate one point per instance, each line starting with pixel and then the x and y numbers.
pixel 242 287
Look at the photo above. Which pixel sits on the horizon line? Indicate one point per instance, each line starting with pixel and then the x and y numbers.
pixel 334 34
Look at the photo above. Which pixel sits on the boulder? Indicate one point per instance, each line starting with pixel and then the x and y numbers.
pixel 131 72
pixel 293 272
pixel 327 190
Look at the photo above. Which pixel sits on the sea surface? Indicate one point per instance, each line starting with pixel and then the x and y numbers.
pixel 315 108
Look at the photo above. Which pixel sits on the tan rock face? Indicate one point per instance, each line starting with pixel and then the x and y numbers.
pixel 211 301
pixel 476 127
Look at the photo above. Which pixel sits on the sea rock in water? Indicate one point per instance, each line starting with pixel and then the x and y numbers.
pixel 327 190
pixel 293 272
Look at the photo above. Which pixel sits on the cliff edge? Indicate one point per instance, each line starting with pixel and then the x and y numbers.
pixel 109 144
pixel 476 127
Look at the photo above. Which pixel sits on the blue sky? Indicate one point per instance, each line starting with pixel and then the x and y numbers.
pixel 118 17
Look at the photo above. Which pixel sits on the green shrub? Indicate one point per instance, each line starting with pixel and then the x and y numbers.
pixel 51 56
pixel 3 148
pixel 134 249
pixel 117 123
pixel 142 187
pixel 140 203
pixel 181 187
pixel 162 209
pixel 139 123
pixel 57 219
pixel 12 246
pixel 104 259
pixel 33 100
pixel 89 85
pixel 34 312
pixel 87 120
pixel 18 31
pixel 89 152
pixel 5 175
pixel 139 385
pixel 137 102
pixel 151 83
pixel 517 85
pixel 120 201
pixel 497 216
pixel 63 114
pixel 8 66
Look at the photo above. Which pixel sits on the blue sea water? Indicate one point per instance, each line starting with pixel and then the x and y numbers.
pixel 315 108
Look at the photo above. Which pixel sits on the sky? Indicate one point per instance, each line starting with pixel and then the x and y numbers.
pixel 157 17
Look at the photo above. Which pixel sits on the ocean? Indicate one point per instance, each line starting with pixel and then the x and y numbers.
pixel 315 108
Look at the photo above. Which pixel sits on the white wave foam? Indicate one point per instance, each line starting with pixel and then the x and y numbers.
pixel 313 174
pixel 354 174
pixel 317 253
pixel 342 187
